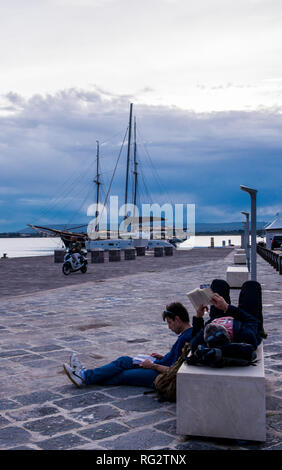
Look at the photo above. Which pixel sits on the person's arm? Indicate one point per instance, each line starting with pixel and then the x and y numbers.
pixel 198 320
pixel 219 302
pixel 228 309
pixel 147 364
pixel 157 356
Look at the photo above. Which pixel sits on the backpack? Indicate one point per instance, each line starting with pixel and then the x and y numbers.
pixel 165 383
pixel 229 355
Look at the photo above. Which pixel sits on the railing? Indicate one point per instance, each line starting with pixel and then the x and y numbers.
pixel 271 257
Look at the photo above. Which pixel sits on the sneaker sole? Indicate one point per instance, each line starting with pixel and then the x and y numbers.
pixel 70 377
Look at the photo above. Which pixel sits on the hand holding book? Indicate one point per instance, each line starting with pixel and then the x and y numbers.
pixel 200 298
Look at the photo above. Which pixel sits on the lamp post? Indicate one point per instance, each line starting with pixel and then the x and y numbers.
pixel 247 237
pixel 253 196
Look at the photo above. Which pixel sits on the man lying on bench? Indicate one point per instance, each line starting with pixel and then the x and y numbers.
pixel 227 323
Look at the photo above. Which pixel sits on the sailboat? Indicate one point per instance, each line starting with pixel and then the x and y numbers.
pixel 105 239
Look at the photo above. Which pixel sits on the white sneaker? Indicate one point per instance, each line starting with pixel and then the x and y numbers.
pixel 74 375
pixel 75 363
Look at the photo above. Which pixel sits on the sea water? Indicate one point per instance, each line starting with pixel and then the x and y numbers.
pixel 44 246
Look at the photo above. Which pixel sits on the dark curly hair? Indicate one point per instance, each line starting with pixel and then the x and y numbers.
pixel 176 309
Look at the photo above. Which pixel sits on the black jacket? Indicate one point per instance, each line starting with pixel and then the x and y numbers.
pixel 245 328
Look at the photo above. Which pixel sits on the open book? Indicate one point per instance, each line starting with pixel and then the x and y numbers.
pixel 200 297
pixel 141 357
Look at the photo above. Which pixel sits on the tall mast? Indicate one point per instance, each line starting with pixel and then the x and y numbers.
pixel 135 166
pixel 128 158
pixel 97 181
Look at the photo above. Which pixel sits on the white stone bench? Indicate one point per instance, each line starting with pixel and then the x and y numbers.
pixel 224 403
pixel 240 258
pixel 237 275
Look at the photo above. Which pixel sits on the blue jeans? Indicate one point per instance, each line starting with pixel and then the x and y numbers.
pixel 122 371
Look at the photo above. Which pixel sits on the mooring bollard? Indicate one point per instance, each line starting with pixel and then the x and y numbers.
pixel 97 255
pixel 59 255
pixel 114 254
pixel 129 253
pixel 158 251
pixel 168 250
pixel 140 250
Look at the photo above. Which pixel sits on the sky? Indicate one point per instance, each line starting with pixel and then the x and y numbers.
pixel 205 80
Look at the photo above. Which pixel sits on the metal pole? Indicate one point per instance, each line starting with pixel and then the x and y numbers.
pixel 135 167
pixel 253 195
pixel 247 238
pixel 128 158
pixel 97 181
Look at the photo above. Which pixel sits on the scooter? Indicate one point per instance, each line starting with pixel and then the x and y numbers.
pixel 71 265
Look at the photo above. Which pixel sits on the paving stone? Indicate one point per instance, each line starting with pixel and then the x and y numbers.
pixel 6 404
pixel 23 414
pixel 69 390
pixel 86 399
pixel 42 364
pixel 18 352
pixel 23 448
pixel 36 397
pixel 149 418
pixel 27 358
pixel 273 403
pixel 96 414
pixel 142 404
pixel 139 440
pixel 274 422
pixel 167 426
pixel 46 348
pixel 71 338
pixel 103 430
pixel 197 445
pixel 11 436
pixel 64 442
pixel 51 425
pixel 3 421
pixel 125 391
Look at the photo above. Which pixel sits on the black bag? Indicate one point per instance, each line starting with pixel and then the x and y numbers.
pixel 229 355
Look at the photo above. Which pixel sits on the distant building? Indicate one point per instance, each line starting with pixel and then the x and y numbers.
pixel 275 228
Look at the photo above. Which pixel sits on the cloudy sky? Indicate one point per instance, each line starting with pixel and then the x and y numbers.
pixel 205 79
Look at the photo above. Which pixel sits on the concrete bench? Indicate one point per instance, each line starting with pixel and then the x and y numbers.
pixel 224 403
pixel 240 258
pixel 240 251
pixel 237 275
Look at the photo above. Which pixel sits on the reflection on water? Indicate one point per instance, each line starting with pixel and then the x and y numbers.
pixel 17 247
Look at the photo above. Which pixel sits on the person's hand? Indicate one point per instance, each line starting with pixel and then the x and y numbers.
pixel 157 355
pixel 219 302
pixel 147 364
pixel 201 311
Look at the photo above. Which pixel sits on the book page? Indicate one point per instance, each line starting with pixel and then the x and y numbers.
pixel 141 357
pixel 200 297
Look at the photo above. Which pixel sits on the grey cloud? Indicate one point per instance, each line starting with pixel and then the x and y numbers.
pixel 48 146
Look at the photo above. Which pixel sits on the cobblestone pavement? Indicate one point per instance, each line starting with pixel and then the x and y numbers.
pixel 41 409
